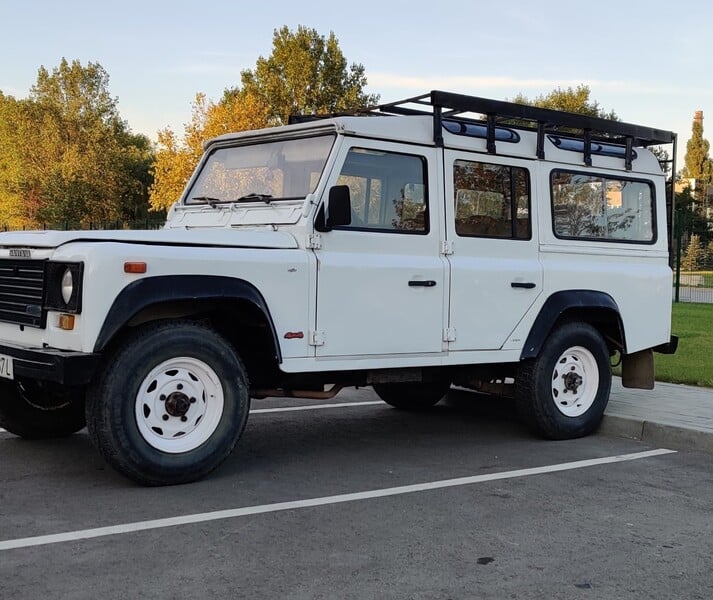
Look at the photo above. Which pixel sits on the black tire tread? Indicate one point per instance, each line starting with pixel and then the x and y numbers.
pixel 539 413
pixel 104 427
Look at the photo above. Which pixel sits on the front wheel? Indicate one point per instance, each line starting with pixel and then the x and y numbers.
pixel 170 404
pixel 563 392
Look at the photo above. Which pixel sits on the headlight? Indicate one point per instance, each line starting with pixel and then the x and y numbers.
pixel 67 286
pixel 63 286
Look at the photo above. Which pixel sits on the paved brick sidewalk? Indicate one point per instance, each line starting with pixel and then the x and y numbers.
pixel 671 415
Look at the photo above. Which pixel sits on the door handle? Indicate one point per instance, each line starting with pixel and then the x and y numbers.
pixel 419 283
pixel 528 285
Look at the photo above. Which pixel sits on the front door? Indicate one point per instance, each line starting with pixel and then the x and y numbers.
pixel 381 281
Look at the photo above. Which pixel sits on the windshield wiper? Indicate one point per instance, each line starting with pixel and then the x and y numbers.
pixel 207 199
pixel 253 197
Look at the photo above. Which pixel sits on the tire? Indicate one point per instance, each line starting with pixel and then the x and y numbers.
pixel 170 405
pixel 39 410
pixel 412 395
pixel 563 392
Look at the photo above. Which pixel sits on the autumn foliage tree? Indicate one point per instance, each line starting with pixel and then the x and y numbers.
pixel 69 156
pixel 177 157
pixel 306 73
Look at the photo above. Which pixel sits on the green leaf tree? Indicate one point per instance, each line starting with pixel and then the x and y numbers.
pixel 73 160
pixel 306 73
pixel 574 100
pixel 697 163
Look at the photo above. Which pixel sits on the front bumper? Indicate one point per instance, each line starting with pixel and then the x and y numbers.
pixel 49 364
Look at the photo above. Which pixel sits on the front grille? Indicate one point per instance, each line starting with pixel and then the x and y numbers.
pixel 21 292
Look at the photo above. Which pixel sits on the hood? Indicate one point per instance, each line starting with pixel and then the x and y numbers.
pixel 178 237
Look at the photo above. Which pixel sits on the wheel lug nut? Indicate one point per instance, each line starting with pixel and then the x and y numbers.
pixel 165 417
pixel 184 418
pixel 162 397
pixel 179 386
pixel 192 400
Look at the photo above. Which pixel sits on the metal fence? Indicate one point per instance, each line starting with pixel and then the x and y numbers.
pixel 91 225
pixel 692 255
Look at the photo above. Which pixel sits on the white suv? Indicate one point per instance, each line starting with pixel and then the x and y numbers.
pixel 409 248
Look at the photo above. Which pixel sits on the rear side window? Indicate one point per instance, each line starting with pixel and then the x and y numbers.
pixel 596 207
pixel 491 200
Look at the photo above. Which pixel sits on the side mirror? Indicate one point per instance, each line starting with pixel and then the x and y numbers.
pixel 339 209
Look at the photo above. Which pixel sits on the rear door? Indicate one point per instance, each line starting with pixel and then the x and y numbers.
pixel 495 271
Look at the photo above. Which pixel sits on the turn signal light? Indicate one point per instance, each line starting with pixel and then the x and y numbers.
pixel 66 322
pixel 134 267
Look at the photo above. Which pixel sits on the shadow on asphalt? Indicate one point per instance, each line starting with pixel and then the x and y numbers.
pixel 285 442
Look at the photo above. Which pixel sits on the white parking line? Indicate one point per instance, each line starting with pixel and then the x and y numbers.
pixel 124 528
pixel 257 411
pixel 313 407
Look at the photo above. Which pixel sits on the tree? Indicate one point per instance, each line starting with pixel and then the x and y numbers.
pixel 306 73
pixel 73 160
pixel 693 255
pixel 10 164
pixel 697 163
pixel 575 100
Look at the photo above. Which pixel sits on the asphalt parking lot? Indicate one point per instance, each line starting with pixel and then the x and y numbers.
pixel 353 499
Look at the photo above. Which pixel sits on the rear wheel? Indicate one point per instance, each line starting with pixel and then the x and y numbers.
pixel 563 392
pixel 412 395
pixel 38 410
pixel 170 405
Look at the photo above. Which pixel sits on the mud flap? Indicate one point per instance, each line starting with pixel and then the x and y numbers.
pixel 637 370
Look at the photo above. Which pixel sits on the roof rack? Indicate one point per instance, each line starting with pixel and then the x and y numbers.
pixel 447 105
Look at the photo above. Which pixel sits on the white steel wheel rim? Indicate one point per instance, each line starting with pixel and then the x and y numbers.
pixel 575 381
pixel 179 405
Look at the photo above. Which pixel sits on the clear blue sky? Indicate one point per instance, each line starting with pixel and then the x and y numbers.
pixel 650 61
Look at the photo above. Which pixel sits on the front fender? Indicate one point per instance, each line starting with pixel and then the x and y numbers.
pixel 143 293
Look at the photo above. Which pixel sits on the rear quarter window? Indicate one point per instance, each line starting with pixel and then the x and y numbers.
pixel 588 206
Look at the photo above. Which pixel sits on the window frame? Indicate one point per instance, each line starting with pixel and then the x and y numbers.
pixel 613 177
pixel 427 212
pixel 513 203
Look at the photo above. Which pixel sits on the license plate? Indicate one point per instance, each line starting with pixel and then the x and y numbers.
pixel 6 370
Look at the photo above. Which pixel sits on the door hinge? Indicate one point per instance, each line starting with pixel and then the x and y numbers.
pixel 449 334
pixel 314 241
pixel 316 338
pixel 447 247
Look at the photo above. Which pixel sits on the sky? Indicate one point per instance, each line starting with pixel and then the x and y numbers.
pixel 650 61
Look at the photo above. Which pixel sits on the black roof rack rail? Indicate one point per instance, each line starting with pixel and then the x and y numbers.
pixel 450 105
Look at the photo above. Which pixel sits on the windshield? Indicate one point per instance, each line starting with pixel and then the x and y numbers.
pixel 276 170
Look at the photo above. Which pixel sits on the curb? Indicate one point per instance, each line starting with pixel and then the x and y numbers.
pixel 657 434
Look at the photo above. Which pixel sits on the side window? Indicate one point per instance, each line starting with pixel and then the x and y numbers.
pixel 586 206
pixel 491 200
pixel 388 191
